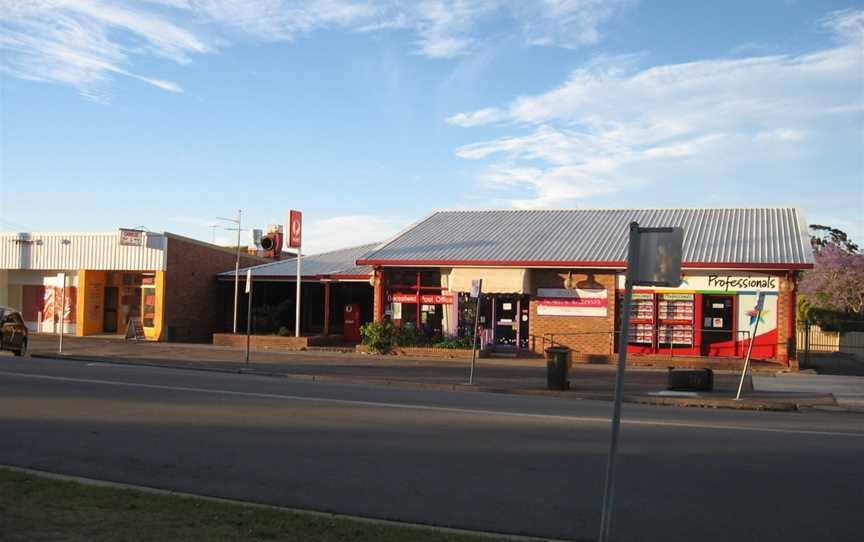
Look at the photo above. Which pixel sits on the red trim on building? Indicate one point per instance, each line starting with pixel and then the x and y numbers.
pixel 582 264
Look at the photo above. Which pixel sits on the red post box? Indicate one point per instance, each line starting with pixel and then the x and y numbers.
pixel 351 332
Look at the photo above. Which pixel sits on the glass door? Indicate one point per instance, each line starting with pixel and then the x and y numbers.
pixel 717 325
pixel 506 321
pixel 109 312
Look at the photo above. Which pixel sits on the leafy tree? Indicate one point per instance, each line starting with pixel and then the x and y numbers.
pixel 823 236
pixel 832 294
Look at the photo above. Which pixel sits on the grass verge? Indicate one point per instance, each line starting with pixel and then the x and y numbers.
pixel 39 508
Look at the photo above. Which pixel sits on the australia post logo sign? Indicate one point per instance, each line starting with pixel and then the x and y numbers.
pixel 295 229
pixel 561 302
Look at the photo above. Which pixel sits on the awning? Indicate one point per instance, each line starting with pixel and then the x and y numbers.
pixel 495 281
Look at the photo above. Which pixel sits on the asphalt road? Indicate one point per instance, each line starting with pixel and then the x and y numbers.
pixel 513 464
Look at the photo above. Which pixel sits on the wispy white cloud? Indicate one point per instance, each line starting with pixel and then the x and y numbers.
pixel 612 125
pixel 477 118
pixel 84 43
pixel 73 42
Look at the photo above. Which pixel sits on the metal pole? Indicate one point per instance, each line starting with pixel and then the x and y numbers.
pixel 62 310
pixel 609 489
pixel 237 270
pixel 476 322
pixel 297 308
pixel 248 321
pixel 749 350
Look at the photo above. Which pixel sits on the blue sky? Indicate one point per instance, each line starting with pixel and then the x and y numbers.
pixel 367 115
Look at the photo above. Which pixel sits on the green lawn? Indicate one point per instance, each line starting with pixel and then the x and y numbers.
pixel 39 508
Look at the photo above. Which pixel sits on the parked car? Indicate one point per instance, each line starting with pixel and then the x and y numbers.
pixel 14 332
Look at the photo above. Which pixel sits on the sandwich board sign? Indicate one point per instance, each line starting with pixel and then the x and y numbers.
pixel 135 329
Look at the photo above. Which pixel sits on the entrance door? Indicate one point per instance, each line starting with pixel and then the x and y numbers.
pixel 506 321
pixel 109 313
pixel 717 326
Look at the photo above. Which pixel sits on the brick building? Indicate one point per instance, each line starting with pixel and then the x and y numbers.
pixel 557 276
pixel 166 281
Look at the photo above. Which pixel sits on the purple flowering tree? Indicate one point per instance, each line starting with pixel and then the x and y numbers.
pixel 836 282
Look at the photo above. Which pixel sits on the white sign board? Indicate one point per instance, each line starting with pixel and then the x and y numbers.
pixel 132 238
pixel 475 287
pixel 561 302
pixel 720 282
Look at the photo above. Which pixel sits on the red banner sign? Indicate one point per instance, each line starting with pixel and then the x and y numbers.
pixel 295 228
pixel 425 299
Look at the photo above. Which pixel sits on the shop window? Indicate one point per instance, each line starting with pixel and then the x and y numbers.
pixel 642 320
pixel 675 318
pixel 148 309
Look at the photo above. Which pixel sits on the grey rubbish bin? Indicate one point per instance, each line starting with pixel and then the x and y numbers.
pixel 557 363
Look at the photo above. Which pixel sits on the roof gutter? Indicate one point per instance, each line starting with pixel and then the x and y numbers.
pixel 578 263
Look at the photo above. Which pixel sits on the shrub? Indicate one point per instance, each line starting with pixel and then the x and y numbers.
pixel 831 320
pixel 409 336
pixel 378 336
pixel 455 342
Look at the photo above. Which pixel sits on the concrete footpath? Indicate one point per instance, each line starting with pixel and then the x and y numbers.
pixel 847 390
pixel 497 375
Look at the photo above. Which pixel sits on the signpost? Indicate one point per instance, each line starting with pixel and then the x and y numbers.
pixel 295 234
pixel 756 315
pixel 653 259
pixel 476 292
pixel 248 311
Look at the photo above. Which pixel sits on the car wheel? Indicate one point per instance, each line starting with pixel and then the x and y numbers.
pixel 23 350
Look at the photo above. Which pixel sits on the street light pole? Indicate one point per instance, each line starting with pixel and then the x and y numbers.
pixel 237 270
pixel 236 262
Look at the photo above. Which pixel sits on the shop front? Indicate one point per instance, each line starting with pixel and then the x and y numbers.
pixel 436 302
pixel 97 283
pixel 710 314
pixel 557 277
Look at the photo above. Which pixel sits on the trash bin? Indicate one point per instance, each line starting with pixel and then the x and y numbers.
pixel 557 363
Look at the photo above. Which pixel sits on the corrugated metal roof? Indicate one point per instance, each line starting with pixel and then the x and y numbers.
pixel 774 237
pixel 335 263
pixel 50 251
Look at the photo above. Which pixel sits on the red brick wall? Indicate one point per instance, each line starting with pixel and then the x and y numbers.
pixel 785 301
pixel 594 334
pixel 193 310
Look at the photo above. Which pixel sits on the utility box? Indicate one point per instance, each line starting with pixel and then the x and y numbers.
pixel 351 330
pixel 691 379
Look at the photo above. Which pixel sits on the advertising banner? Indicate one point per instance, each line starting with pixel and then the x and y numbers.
pixel 561 302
